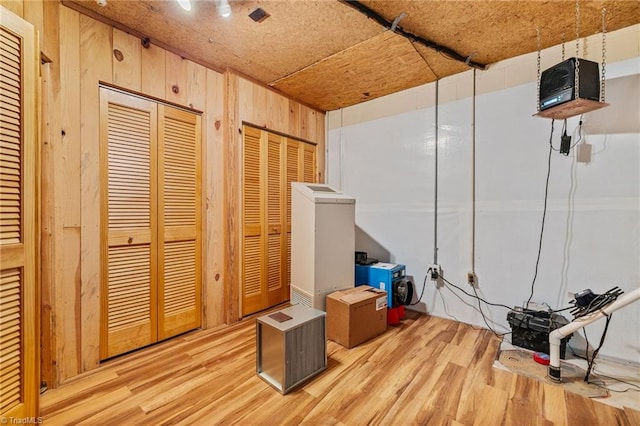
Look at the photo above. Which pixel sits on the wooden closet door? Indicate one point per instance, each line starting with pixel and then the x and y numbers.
pixel 270 163
pixel 19 319
pixel 293 171
pixel 128 127
pixel 300 166
pixel 275 218
pixel 253 266
pixel 179 258
pixel 309 163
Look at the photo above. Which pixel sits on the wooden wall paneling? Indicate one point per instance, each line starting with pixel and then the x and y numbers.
pixel 16 6
pixel 258 96
pixel 66 163
pixel 153 71
pixel 311 122
pixel 303 121
pixel 176 84
pixel 245 103
pixel 214 205
pixel 196 86
pixel 70 149
pixel 127 57
pixel 34 13
pixel 96 66
pixel 232 196
pixel 278 112
pixel 47 253
pixel 49 235
pixel 294 118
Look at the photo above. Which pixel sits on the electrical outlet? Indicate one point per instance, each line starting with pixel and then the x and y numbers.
pixel 471 279
pixel 584 153
pixel 434 271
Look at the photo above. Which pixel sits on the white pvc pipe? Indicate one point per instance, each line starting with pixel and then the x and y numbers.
pixel 560 333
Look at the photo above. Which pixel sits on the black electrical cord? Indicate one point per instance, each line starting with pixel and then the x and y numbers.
pixel 595 353
pixel 463 301
pixel 634 387
pixel 579 133
pixel 381 20
pixel 480 299
pixel 484 318
pixel 476 295
pixel 544 214
pixel 424 285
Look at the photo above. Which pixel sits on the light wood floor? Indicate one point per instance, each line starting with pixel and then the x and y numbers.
pixel 426 371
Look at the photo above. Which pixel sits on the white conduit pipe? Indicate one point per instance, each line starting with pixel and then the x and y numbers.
pixel 560 333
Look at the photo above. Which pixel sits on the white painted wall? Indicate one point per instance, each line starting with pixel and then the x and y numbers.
pixel 383 153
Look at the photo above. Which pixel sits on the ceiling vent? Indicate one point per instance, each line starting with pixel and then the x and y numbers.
pixel 259 15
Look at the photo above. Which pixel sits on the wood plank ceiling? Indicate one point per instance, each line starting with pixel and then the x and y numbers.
pixel 329 55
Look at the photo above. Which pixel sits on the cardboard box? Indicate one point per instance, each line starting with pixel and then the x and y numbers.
pixel 356 315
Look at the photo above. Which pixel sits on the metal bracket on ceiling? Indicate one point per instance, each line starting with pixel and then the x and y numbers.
pixel 396 21
pixel 468 60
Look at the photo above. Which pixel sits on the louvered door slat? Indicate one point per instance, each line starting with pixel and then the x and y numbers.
pixel 10 227
pixel 10 328
pixel 129 309
pixel 309 162
pixel 274 179
pixel 179 222
pixel 179 174
pixel 180 271
pixel 128 141
pixel 10 139
pixel 252 289
pixel 19 360
pixel 252 205
pixel 292 175
pixel 129 170
pixel 274 276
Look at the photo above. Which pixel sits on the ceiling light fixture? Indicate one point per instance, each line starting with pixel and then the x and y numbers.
pixel 224 9
pixel 185 4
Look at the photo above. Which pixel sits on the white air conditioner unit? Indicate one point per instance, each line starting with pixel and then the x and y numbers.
pixel 322 243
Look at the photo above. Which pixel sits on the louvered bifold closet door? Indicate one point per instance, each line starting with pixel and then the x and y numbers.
pixel 128 127
pixel 275 218
pixel 292 174
pixel 19 361
pixel 309 162
pixel 253 266
pixel 179 259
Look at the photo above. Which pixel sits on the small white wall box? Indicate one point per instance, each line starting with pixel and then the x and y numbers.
pixel 322 243
pixel 291 346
